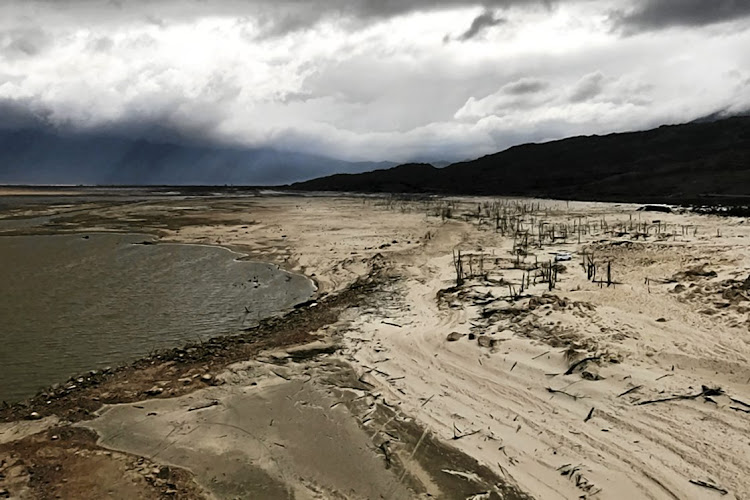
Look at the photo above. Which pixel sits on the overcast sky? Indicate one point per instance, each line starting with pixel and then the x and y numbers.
pixel 367 79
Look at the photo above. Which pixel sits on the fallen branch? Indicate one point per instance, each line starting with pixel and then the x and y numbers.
pixel 540 355
pixel 203 406
pixel 632 389
pixel 579 363
pixel 591 414
pixel 457 434
pixel 391 324
pixel 709 486
pixel 556 391
pixel 734 400
pixel 427 400
pixel 706 391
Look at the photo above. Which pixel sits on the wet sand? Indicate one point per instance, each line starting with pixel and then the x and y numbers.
pixel 581 391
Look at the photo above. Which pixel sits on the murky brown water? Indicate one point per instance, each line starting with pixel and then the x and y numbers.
pixel 69 303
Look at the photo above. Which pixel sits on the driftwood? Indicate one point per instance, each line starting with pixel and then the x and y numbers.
pixel 427 401
pixel 706 391
pixel 540 355
pixel 203 406
pixel 457 434
pixel 557 391
pixel 591 414
pixel 734 400
pixel 580 362
pixel 632 389
pixel 709 486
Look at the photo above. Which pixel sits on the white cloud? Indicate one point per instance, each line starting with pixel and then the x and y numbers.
pixel 359 87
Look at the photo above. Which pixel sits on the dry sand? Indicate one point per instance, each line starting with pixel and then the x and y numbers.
pixel 676 321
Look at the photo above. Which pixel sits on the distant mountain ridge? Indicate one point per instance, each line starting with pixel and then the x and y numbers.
pixel 37 156
pixel 676 163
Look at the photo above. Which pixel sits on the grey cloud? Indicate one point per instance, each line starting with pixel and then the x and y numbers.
pixel 588 87
pixel 525 86
pixel 24 42
pixel 656 14
pixel 101 44
pixel 276 17
pixel 483 21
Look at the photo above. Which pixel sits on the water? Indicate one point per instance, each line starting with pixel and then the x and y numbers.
pixel 72 303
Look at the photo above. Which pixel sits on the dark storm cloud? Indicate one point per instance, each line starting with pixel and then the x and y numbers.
pixel 483 21
pixel 656 14
pixel 20 114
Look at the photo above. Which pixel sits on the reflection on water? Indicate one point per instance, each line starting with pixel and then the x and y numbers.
pixel 72 303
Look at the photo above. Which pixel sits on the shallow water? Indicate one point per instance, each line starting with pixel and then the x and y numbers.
pixel 72 303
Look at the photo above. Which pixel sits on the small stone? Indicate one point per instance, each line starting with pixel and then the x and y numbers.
pixel 55 437
pixel 454 336
pixel 206 377
pixel 661 320
pixel 155 390
pixel 485 341
pixel 34 416
pixel 591 374
pixel 472 336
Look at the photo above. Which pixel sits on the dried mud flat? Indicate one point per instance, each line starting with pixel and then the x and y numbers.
pixel 617 370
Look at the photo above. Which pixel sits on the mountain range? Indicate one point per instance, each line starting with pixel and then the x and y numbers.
pixel 702 161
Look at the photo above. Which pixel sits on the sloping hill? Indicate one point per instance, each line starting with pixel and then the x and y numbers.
pixel 679 163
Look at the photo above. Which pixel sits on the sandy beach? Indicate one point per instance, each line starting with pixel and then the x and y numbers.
pixel 526 377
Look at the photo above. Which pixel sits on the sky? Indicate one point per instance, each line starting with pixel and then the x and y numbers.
pixel 398 80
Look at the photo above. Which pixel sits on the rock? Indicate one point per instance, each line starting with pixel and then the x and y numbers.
pixel 661 320
pixel 155 390
pixel 34 416
pixel 185 380
pixel 163 473
pixel 485 341
pixel 591 374
pixel 55 437
pixel 679 288
pixel 207 377
pixel 454 336
pixel 472 336
pixel 4 493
